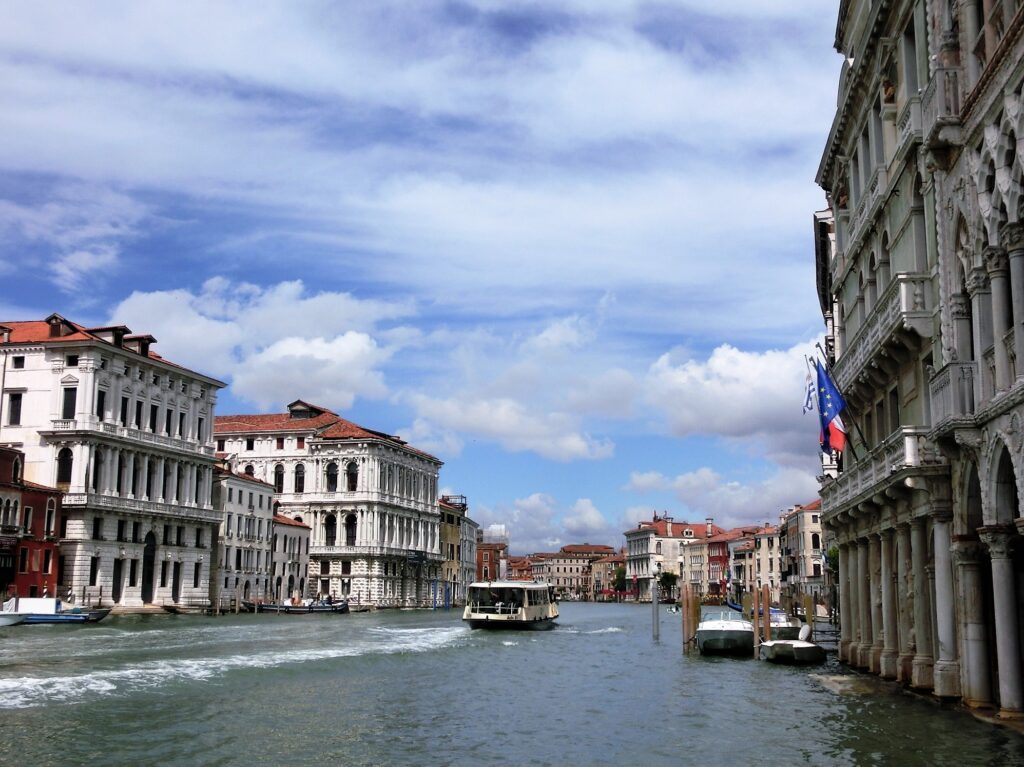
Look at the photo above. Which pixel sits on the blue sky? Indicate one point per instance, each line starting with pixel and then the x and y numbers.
pixel 565 247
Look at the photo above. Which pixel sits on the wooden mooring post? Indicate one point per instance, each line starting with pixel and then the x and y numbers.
pixel 756 620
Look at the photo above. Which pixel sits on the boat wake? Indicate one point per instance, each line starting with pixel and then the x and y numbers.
pixel 31 691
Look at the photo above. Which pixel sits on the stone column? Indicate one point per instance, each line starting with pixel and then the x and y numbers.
pixel 1004 595
pixel 864 604
pixel 80 468
pixel 921 673
pixel 1011 237
pixel 981 319
pixel 946 671
pixel 890 643
pixel 998 267
pixel 905 604
pixel 977 687
pixel 159 480
pixel 129 470
pixel 852 610
pixel 875 578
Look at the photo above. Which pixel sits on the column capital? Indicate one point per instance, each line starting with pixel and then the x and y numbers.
pixel 998 539
pixel 965 552
pixel 997 264
pixel 1011 237
pixel 977 281
pixel 960 306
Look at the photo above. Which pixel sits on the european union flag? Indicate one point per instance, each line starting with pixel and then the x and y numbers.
pixel 830 405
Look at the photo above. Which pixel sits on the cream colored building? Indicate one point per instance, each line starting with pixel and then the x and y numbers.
pixel 369 498
pixel 126 436
pixel 922 286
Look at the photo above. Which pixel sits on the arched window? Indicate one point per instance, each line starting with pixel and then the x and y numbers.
pixel 330 530
pixel 249 470
pixel 16 471
pixel 332 478
pixel 657 547
pixel 815 541
pixel 352 475
pixel 65 461
pixel 279 478
pixel 350 530
pixel 97 471
pixel 300 479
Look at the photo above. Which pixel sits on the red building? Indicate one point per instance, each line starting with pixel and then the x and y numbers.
pixel 491 561
pixel 29 520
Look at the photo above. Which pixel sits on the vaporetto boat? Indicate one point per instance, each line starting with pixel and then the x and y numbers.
pixel 510 605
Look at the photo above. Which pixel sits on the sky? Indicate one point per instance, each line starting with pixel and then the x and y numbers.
pixel 565 247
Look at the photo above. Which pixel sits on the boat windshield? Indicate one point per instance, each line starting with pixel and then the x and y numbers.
pixel 502 599
pixel 724 615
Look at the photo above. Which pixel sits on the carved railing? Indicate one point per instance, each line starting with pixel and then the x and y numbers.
pixel 371 551
pixel 940 104
pixel 908 125
pixel 903 304
pixel 97 500
pixel 869 202
pixel 131 433
pixel 951 391
pixel 906 447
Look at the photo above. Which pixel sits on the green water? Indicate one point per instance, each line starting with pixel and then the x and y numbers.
pixel 418 688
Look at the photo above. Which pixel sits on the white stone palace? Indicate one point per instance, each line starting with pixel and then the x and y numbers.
pixel 370 499
pixel 921 281
pixel 126 435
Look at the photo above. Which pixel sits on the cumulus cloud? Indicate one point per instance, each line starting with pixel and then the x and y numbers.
pixel 746 396
pixel 271 343
pixel 704 492
pixel 536 523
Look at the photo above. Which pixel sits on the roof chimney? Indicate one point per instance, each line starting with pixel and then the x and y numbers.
pixel 5 334
pixel 708 521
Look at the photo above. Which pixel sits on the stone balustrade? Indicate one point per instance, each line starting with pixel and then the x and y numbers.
pixel 140 506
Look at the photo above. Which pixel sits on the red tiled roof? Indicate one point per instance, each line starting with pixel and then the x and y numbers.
pixel 660 527
pixel 280 519
pixel 585 548
pixel 240 475
pixel 813 505
pixel 326 425
pixel 38 332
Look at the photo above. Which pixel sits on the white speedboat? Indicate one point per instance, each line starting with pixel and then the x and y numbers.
pixel 725 633
pixel 784 626
pixel 510 605
pixel 793 651
pixel 11 619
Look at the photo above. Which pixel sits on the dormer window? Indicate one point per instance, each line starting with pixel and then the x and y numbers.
pixel 687 533
pixel 71 360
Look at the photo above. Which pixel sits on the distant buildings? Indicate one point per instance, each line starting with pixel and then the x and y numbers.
pixel 920 274
pixel 244 552
pixel 666 546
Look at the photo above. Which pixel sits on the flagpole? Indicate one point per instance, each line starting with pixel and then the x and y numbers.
pixel 828 369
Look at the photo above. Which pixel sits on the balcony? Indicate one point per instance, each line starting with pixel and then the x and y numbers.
pixel 908 128
pixel 92 425
pixel 369 551
pixel 113 503
pixel 940 109
pixel 951 390
pixel 902 312
pixel 905 452
pixel 868 204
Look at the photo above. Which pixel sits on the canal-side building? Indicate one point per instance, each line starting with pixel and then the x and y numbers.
pixel 369 499
pixel 125 435
pixel 664 545
pixel 289 567
pixel 604 571
pixel 570 571
pixel 453 511
pixel 244 543
pixel 923 287
pixel 30 516
pixel 491 560
pixel 804 561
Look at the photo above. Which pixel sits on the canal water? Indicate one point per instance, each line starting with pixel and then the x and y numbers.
pixel 418 688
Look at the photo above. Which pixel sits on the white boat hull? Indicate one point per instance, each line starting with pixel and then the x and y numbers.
pixel 11 619
pixel 792 651
pixel 733 636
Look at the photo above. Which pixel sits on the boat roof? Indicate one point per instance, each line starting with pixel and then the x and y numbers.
pixel 509 584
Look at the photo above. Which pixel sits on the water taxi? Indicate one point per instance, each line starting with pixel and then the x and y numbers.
pixel 510 605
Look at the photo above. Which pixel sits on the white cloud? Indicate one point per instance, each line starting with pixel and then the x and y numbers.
pixel 585 520
pixel 706 493
pixel 747 397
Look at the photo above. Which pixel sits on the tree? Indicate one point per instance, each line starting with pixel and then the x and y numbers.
pixel 619 580
pixel 667 582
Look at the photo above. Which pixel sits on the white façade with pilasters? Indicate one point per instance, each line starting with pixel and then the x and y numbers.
pixel 127 436
pixel 369 498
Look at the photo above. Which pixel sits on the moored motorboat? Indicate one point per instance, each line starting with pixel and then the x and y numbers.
pixel 783 626
pixel 725 633
pixel 11 619
pixel 793 651
pixel 306 608
pixel 510 605
pixel 52 610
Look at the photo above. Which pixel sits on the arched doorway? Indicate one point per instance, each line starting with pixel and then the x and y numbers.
pixel 245 591
pixel 148 565
pixel 330 530
pixel 291 585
